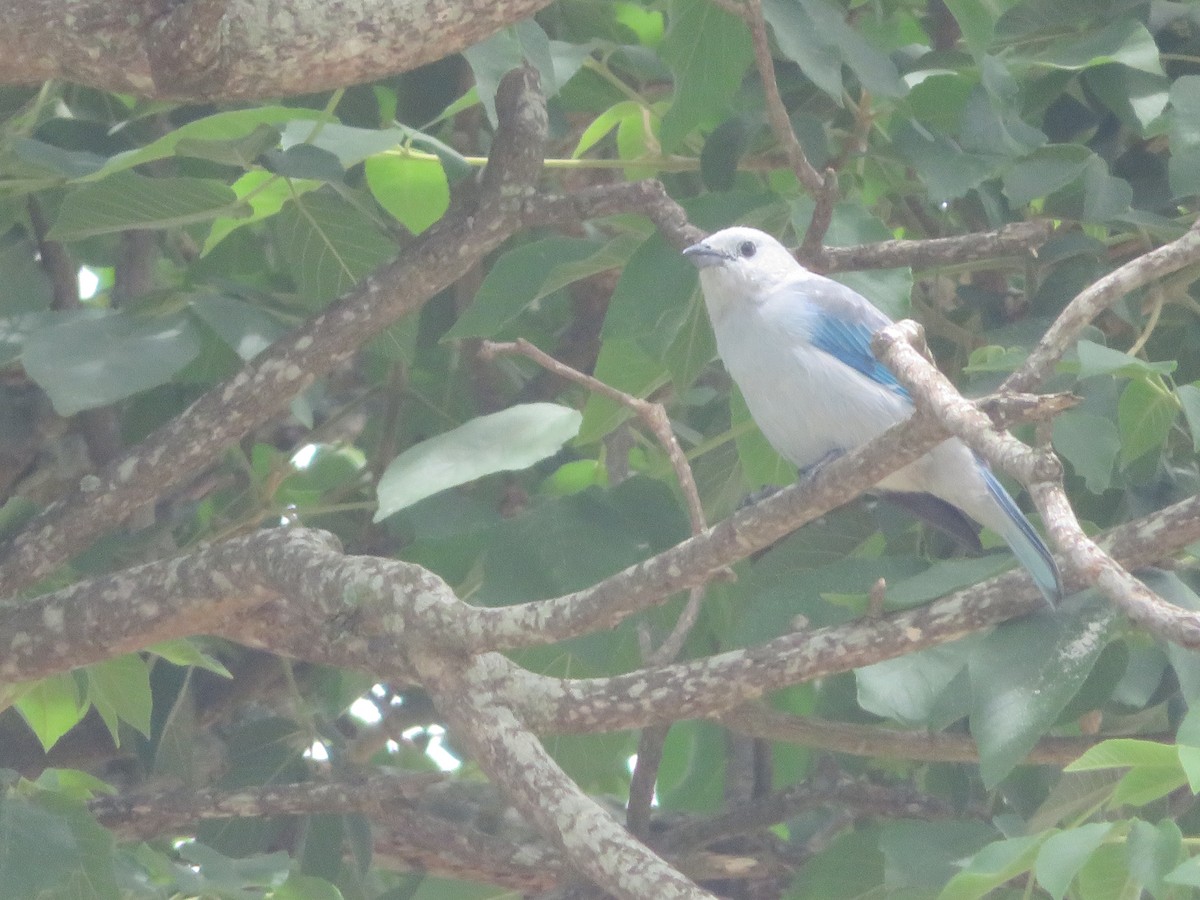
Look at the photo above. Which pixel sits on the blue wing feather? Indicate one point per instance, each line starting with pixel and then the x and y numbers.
pixel 850 342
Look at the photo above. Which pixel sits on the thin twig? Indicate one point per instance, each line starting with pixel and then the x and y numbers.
pixel 652 414
pixel 1096 298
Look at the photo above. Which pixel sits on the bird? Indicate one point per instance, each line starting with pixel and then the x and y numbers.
pixel 798 346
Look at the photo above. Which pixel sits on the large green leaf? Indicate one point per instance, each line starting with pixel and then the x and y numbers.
pixel 1184 165
pixel 517 279
pixel 330 244
pixel 1125 41
pixel 1064 854
pixel 92 358
pixel 223 126
pixel 128 200
pixel 412 189
pixel 1090 443
pixel 52 849
pixel 514 438
pixel 1023 677
pixel 708 51
pixel 1145 414
pixel 119 689
pixel 51 708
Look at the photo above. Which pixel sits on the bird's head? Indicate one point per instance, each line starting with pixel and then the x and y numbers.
pixel 740 265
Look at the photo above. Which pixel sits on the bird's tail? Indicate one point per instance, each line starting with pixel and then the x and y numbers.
pixel 1027 545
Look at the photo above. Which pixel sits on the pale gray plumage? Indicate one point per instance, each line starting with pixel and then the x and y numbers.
pixel 798 346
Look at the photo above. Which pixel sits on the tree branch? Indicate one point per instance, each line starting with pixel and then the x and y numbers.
pixel 227 50
pixel 1096 298
pixel 592 840
pixel 876 740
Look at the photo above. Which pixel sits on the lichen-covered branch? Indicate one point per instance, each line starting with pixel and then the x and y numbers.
pixel 205 50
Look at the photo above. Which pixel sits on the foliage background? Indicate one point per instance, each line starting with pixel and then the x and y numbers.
pixel 210 230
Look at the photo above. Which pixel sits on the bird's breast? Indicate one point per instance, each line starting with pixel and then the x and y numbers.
pixel 806 402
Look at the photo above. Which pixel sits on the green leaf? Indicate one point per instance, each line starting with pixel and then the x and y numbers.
pixel 1045 171
pixel 1090 443
pixel 93 358
pixel 52 849
pixel 1154 768
pixel 304 161
pixel 803 43
pixel 851 867
pixel 119 689
pixel 222 126
pixel 977 21
pixel 1186 873
pixel 1154 851
pixel 1023 677
pixel 708 51
pixel 305 887
pixel 1096 359
pixel 624 365
pixel 239 151
pixel 1145 414
pixel 329 244
pixel 827 24
pixel 991 867
pixel 1188 396
pixel 907 689
pixel 1125 41
pixel 923 856
pixel 723 149
pixel 606 122
pixel 524 42
pixel 128 200
pixel 263 195
pixel 1063 855
pixel 1137 98
pixel 1105 197
pixel 650 302
pixel 415 191
pixel 947 171
pixel 511 439
pixel 244 327
pixel 515 281
pixel 1105 876
pixel 185 652
pixel 324 836
pixel 1117 753
pixel 1184 165
pixel 51 708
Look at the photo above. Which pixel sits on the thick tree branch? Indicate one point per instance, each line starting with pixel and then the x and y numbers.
pixel 205 50
pixel 843 792
pixel 144 815
pixel 592 840
pixel 712 686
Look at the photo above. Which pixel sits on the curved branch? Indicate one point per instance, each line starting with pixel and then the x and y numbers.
pixel 592 840
pixel 876 740
pixel 204 50
pixel 1098 297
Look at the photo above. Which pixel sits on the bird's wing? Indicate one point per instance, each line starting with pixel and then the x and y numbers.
pixel 842 324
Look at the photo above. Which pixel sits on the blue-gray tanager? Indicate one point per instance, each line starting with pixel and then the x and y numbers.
pixel 799 347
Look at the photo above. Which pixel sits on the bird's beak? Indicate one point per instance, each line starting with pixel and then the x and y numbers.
pixel 703 256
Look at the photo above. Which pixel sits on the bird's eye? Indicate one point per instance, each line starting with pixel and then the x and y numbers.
pixel 747 249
